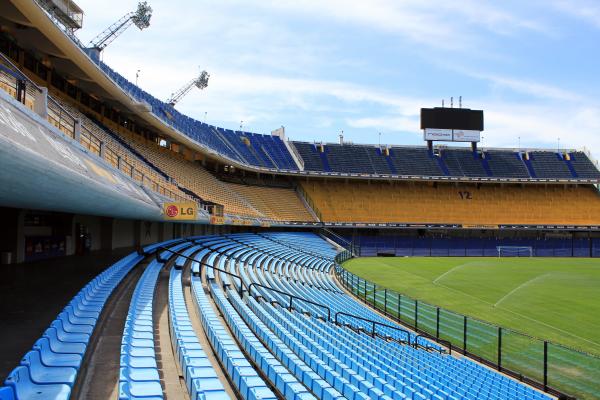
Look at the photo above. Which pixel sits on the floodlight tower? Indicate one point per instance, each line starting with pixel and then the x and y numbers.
pixel 140 18
pixel 201 82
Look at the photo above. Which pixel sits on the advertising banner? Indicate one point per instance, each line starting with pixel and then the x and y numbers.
pixel 181 211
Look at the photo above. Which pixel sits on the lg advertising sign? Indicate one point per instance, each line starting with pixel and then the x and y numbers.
pixel 184 211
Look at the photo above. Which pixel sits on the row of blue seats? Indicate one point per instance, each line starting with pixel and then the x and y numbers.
pixel 50 369
pixel 200 377
pixel 310 379
pixel 336 303
pixel 243 375
pixel 139 376
pixel 317 382
pixel 457 162
pixel 285 382
pixel 473 247
pixel 289 359
pixel 426 375
pixel 410 373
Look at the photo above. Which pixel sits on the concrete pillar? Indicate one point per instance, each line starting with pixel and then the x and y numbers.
pixel 77 130
pixel 102 149
pixel 40 103
pixel 161 231
pixel 137 230
pixel 106 233
pixel 11 237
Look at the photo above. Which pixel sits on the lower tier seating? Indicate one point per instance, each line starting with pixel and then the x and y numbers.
pixel 200 377
pixel 332 360
pixel 268 309
pixel 139 372
pixel 486 204
pixel 49 369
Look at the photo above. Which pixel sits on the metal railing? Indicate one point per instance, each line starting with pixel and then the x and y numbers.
pixel 23 89
pixel 243 286
pixel 547 366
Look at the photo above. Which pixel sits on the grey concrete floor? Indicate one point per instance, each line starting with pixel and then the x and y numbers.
pixel 32 295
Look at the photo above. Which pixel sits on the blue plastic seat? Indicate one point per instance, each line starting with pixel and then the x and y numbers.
pixel 43 374
pixel 7 393
pixel 140 390
pixel 58 346
pixel 25 389
pixel 53 359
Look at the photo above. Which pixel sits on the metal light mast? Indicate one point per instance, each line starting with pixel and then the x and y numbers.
pixel 201 82
pixel 140 18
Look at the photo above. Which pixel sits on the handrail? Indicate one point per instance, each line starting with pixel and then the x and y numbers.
pixel 292 297
pixel 249 246
pixel 374 324
pixel 66 122
pixel 446 343
pixel 268 287
pixel 276 257
pixel 241 291
pixel 269 252
pixel 8 61
pixel 201 263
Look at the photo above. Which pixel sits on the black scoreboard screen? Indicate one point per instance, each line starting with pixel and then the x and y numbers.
pixel 452 118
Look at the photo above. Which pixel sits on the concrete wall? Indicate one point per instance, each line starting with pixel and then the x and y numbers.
pixel 105 233
pixel 122 233
pixel 93 224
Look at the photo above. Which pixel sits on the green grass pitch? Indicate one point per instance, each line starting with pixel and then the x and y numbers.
pixel 556 299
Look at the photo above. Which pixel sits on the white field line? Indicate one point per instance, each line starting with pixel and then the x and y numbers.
pixel 521 286
pixel 451 270
pixel 510 311
pixel 521 315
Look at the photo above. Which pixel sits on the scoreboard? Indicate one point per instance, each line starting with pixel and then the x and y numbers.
pixel 451 124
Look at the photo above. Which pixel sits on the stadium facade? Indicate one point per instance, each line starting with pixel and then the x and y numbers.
pixel 90 161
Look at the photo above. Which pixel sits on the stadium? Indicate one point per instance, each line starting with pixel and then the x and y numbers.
pixel 147 254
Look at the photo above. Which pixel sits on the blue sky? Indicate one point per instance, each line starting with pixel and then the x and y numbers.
pixel 320 67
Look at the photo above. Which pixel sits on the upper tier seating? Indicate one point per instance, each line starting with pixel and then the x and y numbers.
pixel 416 202
pixel 583 165
pixel 267 151
pixel 458 162
pixel 463 162
pixel 549 165
pixel 117 154
pixel 414 161
pixel 281 204
pixel 506 164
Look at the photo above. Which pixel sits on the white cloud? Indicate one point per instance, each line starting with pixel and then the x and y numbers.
pixel 541 126
pixel 586 10
pixel 536 89
pixel 390 123
pixel 443 25
pixel 272 63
